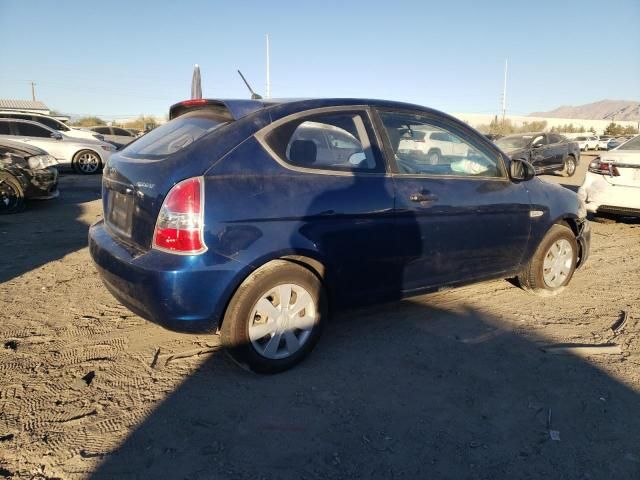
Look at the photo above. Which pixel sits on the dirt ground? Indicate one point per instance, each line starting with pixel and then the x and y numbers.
pixel 457 384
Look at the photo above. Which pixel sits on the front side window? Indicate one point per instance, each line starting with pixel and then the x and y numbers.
pixel 327 141
pixel 51 123
pixel 31 130
pixel 421 147
pixel 121 132
pixel 4 128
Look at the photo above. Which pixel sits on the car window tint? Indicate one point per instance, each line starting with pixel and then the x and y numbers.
pixel 31 130
pixel 441 152
pixel 335 141
pixel 633 144
pixel 121 132
pixel 175 135
pixel 102 130
pixel 553 138
pixel 4 128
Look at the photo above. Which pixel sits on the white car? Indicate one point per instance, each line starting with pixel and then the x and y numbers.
pixel 587 143
pixel 603 142
pixel 612 183
pixel 53 123
pixel 83 155
pixel 432 146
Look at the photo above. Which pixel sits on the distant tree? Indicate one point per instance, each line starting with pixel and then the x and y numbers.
pixel 142 123
pixel 629 130
pixel 88 122
pixel 614 129
pixel 592 130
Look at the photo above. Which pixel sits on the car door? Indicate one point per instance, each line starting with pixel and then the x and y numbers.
pixel 557 150
pixel 454 222
pixel 41 137
pixel 540 152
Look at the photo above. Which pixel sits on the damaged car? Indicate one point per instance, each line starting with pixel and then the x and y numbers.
pixel 547 152
pixel 230 217
pixel 26 172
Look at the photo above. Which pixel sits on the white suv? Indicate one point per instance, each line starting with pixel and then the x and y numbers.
pixel 432 146
pixel 587 143
pixel 51 122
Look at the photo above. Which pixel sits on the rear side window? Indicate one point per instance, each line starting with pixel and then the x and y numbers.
pixel 175 135
pixel 51 123
pixel 328 141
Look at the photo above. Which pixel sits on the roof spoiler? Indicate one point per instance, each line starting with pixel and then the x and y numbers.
pixel 231 109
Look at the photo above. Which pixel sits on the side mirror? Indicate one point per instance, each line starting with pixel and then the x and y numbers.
pixel 56 135
pixel 521 170
pixel 357 158
pixel 536 145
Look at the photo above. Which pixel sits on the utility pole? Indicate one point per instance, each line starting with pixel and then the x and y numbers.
pixel 504 92
pixel 33 91
pixel 268 95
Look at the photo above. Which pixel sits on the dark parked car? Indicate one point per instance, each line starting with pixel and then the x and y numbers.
pixel 547 152
pixel 26 172
pixel 228 217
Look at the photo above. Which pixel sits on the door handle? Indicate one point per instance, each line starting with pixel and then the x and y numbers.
pixel 423 197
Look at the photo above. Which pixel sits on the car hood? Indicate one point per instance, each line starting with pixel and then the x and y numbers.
pixel 20 148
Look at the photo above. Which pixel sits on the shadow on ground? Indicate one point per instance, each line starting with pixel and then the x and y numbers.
pixel 53 225
pixel 403 391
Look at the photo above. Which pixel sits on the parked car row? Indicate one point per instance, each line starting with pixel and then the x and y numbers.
pixel 604 142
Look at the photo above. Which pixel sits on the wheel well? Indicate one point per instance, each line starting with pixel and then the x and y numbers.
pixel 75 155
pixel 571 223
pixel 314 266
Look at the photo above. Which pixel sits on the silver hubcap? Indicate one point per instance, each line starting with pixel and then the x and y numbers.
pixel 571 166
pixel 433 159
pixel 557 263
pixel 281 321
pixel 88 162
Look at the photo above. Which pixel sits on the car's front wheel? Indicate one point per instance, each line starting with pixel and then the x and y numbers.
pixel 275 317
pixel 553 263
pixel 11 194
pixel 87 162
pixel 569 166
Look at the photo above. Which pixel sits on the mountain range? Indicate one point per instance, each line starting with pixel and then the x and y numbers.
pixel 602 110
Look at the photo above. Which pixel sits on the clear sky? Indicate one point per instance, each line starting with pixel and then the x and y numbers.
pixel 123 58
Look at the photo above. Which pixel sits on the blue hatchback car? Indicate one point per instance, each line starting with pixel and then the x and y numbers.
pixel 257 217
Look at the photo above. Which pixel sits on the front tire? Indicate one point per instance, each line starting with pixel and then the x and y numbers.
pixel 570 166
pixel 11 194
pixel 553 264
pixel 275 318
pixel 86 162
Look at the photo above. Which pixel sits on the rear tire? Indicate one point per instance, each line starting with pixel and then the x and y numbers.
pixel 570 166
pixel 275 318
pixel 553 264
pixel 11 194
pixel 86 162
pixel 433 157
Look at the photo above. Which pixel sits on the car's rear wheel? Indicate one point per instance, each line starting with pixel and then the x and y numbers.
pixel 275 317
pixel 433 157
pixel 87 162
pixel 11 194
pixel 553 263
pixel 570 166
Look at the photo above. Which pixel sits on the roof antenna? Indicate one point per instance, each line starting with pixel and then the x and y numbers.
pixel 254 95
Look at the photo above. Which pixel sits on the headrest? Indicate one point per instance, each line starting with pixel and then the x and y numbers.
pixel 303 152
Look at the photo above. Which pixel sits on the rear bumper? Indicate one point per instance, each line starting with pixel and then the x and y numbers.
pixel 599 196
pixel 180 292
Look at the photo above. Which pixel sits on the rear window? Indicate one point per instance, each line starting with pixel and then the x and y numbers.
pixel 633 144
pixel 175 135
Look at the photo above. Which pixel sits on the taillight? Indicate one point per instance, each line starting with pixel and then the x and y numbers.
pixel 179 228
pixel 603 168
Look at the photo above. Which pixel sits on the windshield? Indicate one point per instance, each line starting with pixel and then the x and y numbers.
pixel 174 135
pixel 633 144
pixel 516 141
